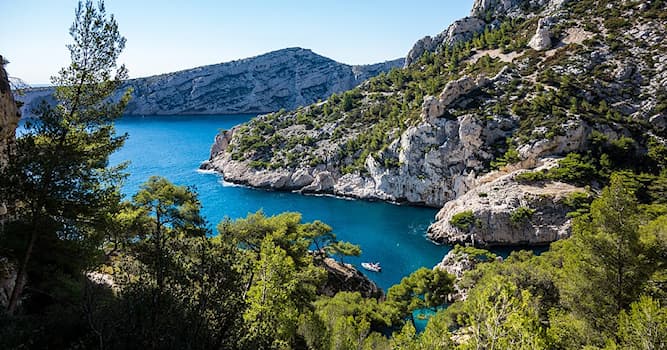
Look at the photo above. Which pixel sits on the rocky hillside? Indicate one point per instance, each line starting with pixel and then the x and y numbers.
pixel 517 82
pixel 284 79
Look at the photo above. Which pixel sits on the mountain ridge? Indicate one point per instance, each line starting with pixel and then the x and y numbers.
pixel 284 78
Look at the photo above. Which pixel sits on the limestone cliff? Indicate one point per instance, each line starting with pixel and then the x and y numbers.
pixel 9 115
pixel 9 118
pixel 505 212
pixel 283 79
pixel 544 78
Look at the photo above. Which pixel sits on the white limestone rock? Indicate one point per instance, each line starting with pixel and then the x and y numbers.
pixel 493 203
pixel 513 8
pixel 542 39
pixel 322 183
pixel 573 137
pixel 459 31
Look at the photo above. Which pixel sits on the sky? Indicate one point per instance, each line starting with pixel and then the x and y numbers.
pixel 165 35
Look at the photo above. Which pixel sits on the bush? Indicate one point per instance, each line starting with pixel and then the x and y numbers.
pixel 481 255
pixel 531 176
pixel 574 168
pixel 509 157
pixel 579 203
pixel 258 164
pixel 464 220
pixel 521 215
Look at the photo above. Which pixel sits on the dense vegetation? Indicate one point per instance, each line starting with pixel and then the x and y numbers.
pixel 95 271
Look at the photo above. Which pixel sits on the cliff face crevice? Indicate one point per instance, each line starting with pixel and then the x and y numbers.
pixel 283 79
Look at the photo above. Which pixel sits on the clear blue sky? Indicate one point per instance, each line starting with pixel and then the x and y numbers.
pixel 165 36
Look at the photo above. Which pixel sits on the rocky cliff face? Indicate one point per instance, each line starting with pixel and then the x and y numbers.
pixel 9 118
pixel 482 11
pixel 543 79
pixel 9 115
pixel 505 212
pixel 513 8
pixel 459 31
pixel 283 79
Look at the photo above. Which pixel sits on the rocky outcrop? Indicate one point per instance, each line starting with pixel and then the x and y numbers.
pixel 283 79
pixel 9 116
pixel 460 260
pixel 345 278
pixel 506 107
pixel 574 136
pixel 542 39
pixel 437 160
pixel 512 8
pixel 505 212
pixel 459 31
pixel 492 11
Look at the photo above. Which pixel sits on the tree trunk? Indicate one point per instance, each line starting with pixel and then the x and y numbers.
pixel 20 275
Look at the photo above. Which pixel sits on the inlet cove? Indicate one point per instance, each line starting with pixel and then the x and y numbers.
pixel 500 183
pixel 175 146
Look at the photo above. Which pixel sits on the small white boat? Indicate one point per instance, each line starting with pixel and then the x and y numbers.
pixel 375 267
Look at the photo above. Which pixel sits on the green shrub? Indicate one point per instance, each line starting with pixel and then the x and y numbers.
pixel 579 203
pixel 464 220
pixel 481 255
pixel 258 164
pixel 574 168
pixel 521 215
pixel 531 177
pixel 509 157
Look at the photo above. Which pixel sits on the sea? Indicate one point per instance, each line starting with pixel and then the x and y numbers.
pixel 174 146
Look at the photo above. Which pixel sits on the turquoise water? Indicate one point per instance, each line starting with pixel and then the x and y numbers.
pixel 174 146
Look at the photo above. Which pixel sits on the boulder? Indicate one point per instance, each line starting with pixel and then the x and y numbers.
pixel 542 39
pixel 345 278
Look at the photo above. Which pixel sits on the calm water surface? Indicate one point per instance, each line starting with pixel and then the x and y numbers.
pixel 174 146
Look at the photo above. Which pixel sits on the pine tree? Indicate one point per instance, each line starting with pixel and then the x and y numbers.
pixel 60 175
